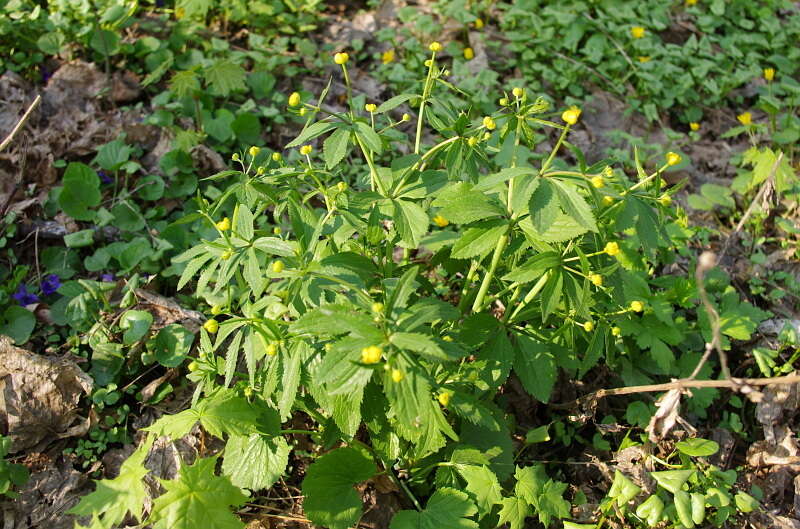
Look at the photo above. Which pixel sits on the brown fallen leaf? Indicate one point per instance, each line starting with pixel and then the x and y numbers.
pixel 39 396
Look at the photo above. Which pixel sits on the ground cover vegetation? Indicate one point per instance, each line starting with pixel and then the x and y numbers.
pixel 445 264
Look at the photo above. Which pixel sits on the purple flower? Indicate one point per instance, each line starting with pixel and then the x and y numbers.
pixel 50 284
pixel 24 297
pixel 108 278
pixel 104 178
pixel 46 74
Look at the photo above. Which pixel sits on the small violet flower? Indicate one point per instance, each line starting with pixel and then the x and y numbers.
pixel 104 178
pixel 24 297
pixel 50 284
pixel 108 278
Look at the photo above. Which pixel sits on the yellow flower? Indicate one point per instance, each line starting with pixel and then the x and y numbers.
pixel 370 107
pixel 616 331
pixel 428 63
pixel 478 23
pixel 518 92
pixel 644 58
pixel 397 375
pixel 211 326
pixel 294 99
pixel 608 200
pixel 227 254
pixel 276 230
pixel 611 248
pixel 435 47
pixel 769 74
pixel 489 123
pixel 447 338
pixel 341 186
pixel 473 141
pixel 665 200
pixel 254 151
pixel 469 53
pixel 608 172
pixel 691 2
pixel 588 326
pixel 216 309
pixel 571 115
pixel 306 149
pixel 341 58
pixel 272 349
pixel 444 399
pixel 224 224
pixel 405 117
pixel 377 307
pixel 745 118
pixel 637 32
pixel 673 158
pixel 261 170
pixel 440 221
pixel 387 56
pixel 694 126
pixel 598 181
pixel 637 306
pixel 596 280
pixel 278 266
pixel 503 101
pixel 276 157
pixel 371 354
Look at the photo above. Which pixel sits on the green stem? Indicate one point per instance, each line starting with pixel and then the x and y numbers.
pixel 473 268
pixel 373 172
pixel 532 294
pixel 514 160
pixel 425 94
pixel 550 158
pixel 498 252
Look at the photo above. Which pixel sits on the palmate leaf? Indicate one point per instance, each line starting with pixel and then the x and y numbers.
pixel 330 499
pixel 197 498
pixel 514 511
pixel 113 499
pixel 256 461
pixel 446 509
pixel 225 76
pixel 222 413
pixel 482 485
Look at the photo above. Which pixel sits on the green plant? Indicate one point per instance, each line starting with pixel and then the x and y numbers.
pixel 689 494
pixel 11 474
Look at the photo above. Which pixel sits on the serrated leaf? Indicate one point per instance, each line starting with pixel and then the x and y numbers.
pixel 330 500
pixel 575 205
pixel 335 147
pixel 419 343
pixel 411 222
pixel 534 267
pixel 197 497
pixel 536 368
pixel 461 204
pixel 447 508
pixel 309 133
pixel 513 512
pixel 256 461
pixel 225 76
pixel 479 239
pixel 394 102
pixel 482 485
pixel 113 499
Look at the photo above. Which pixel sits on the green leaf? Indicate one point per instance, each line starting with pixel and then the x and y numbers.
pixel 223 413
pixel 17 323
pixel 651 510
pixel 479 239
pixel 225 76
pixel 330 500
pixel 335 147
pixel 333 320
pixel 534 267
pixel 309 133
pixel 623 489
pixel 81 191
pixel 256 461
pixel 697 447
pixel 672 480
pixel 184 83
pixel 420 343
pixel 513 512
pixel 536 368
pixel 197 497
pixel 575 205
pixel 369 137
pixel 275 246
pixel 172 344
pixel 482 485
pixel 394 102
pixel 446 509
pixel 113 154
pixel 745 502
pixel 136 324
pixel 411 222
pixel 683 506
pixel 460 204
pixel 113 499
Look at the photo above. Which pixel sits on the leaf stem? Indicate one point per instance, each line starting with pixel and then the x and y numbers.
pixel 498 252
pixel 425 94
